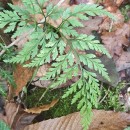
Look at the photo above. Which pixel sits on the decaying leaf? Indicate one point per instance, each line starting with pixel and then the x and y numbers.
pixel 15 117
pixel 41 108
pixel 109 120
pixel 22 119
pixel 115 40
pixel 11 109
pixel 102 120
pixel 21 75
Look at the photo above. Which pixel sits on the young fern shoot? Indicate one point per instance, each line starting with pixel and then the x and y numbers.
pixel 61 47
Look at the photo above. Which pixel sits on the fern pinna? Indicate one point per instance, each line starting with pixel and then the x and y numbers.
pixel 60 46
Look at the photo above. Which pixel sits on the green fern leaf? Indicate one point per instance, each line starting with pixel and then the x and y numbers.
pixel 61 46
pixel 4 126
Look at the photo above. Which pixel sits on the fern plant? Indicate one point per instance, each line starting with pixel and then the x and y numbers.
pixel 61 46
pixel 4 126
pixel 5 73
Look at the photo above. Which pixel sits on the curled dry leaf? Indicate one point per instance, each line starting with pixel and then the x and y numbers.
pixel 39 109
pixel 102 120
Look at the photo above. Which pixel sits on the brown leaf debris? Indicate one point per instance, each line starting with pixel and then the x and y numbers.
pixel 37 110
pixel 102 120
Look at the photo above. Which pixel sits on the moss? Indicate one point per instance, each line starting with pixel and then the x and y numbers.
pixel 63 107
pixel 110 98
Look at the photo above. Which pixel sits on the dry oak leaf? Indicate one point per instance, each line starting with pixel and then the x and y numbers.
pixel 11 110
pixel 21 76
pixel 102 120
pixel 39 109
pixel 15 117
pixel 22 119
pixel 115 40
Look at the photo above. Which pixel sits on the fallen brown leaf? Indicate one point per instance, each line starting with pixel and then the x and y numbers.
pixel 15 117
pixel 21 76
pixel 102 120
pixel 39 109
pixel 22 119
pixel 11 110
pixel 115 40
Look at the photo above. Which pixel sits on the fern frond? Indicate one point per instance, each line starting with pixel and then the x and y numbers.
pixel 85 94
pixel 91 10
pixel 95 64
pixel 61 46
pixel 89 43
pixel 25 15
pixel 10 18
pixel 54 12
pixel 68 74
pixel 7 76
